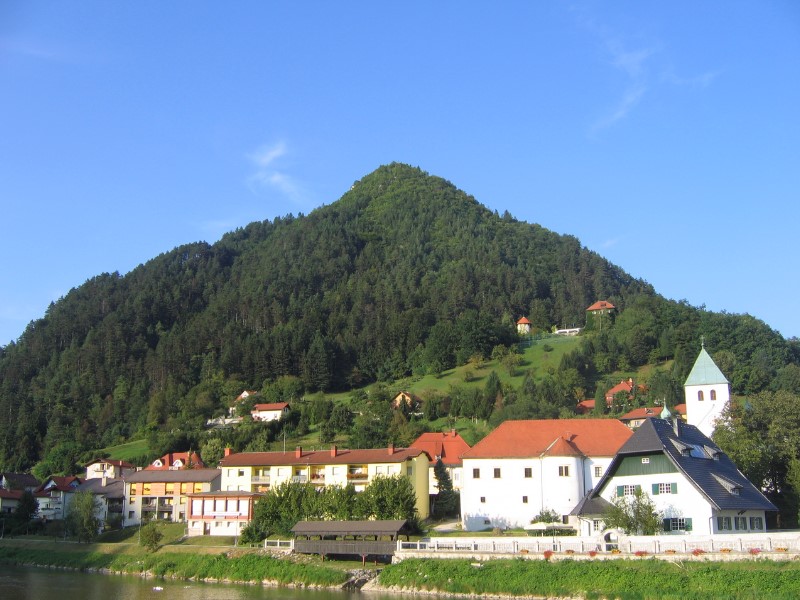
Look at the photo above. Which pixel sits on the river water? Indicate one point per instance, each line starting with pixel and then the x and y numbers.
pixel 24 583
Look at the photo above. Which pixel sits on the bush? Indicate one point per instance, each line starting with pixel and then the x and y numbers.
pixel 150 536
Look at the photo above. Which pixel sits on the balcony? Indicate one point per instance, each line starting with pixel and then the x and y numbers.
pixel 259 479
pixel 357 476
pixel 299 479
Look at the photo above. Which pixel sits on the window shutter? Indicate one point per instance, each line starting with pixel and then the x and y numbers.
pixel 674 488
pixel 638 488
pixel 688 522
pixel 667 524
pixel 655 491
pixel 620 491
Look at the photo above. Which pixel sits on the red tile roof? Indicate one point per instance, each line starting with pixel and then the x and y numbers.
pixel 273 406
pixel 601 305
pixel 169 459
pixel 62 484
pixel 333 456
pixel 522 439
pixel 447 445
pixel 585 406
pixel 523 321
pixel 10 494
pixel 653 411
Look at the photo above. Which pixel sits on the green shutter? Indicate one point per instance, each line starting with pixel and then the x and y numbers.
pixel 655 491
pixel 674 488
pixel 667 524
pixel 620 491
pixel 688 524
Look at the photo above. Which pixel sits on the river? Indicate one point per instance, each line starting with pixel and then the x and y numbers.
pixel 30 583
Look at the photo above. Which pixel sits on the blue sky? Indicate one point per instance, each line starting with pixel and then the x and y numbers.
pixel 665 136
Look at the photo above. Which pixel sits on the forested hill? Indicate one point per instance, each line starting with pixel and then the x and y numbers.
pixel 405 273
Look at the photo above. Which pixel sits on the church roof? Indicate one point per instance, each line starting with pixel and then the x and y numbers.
pixel 705 371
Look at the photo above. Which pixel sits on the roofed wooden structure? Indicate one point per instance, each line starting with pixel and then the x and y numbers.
pixel 349 537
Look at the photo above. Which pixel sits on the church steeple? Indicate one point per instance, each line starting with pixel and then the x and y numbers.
pixel 707 392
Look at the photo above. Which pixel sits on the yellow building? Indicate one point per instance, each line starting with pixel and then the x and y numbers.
pixel 260 471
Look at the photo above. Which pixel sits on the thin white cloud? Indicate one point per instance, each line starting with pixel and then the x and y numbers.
pixel 268 175
pixel 634 64
pixel 703 80
pixel 609 243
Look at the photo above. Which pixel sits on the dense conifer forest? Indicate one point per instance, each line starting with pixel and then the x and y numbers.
pixel 404 275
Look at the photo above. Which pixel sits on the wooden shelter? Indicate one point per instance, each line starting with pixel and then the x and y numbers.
pixel 361 538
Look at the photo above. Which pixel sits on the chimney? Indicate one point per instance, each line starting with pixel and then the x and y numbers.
pixel 298 452
pixel 676 425
pixel 333 451
pixel 391 449
pixel 227 452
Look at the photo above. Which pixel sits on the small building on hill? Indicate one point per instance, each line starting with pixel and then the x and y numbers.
pixel 176 461
pixel 270 412
pixel 523 326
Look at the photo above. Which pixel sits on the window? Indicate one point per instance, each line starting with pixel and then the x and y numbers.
pixel 724 524
pixel 645 460
pixel 665 488
pixel 198 487
pixel 476 473
pixel 598 471
pixel 169 488
pixel 756 523
pixel 130 514
pixel 409 471
pixel 627 490
pixel 740 523
pixel 700 395
pixel 563 471
pixel 183 488
pixel 713 394
pixel 524 499
pixel 497 473
pixel 528 472
pixel 133 501
pixel 241 472
pixel 146 488
pixel 483 499
pixel 133 489
pixel 597 525
pixel 677 524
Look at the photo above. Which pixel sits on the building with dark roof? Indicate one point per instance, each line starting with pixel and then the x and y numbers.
pixel 160 494
pixel 695 486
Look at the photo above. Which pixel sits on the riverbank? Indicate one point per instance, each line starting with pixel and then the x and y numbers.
pixel 626 579
pixel 635 579
pixel 229 566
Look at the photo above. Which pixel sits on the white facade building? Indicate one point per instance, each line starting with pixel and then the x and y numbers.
pixel 524 468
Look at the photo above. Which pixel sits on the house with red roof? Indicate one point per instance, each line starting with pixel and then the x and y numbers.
pixel 634 418
pixel 176 461
pixel 601 307
pixel 108 469
pixel 523 468
pixel 261 471
pixel 523 326
pixel 447 446
pixel 270 412
pixel 54 496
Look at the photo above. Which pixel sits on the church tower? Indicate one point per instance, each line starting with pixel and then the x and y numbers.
pixel 707 393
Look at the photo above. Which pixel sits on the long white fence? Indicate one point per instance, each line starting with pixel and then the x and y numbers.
pixel 788 542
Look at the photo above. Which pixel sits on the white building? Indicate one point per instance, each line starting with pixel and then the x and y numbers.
pixel 524 467
pixel 707 393
pixel 694 485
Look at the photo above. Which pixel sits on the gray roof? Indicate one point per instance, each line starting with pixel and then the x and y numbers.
pixel 705 371
pixel 177 476
pixel 114 488
pixel 19 481
pixel 699 459
pixel 350 527
pixel 591 505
